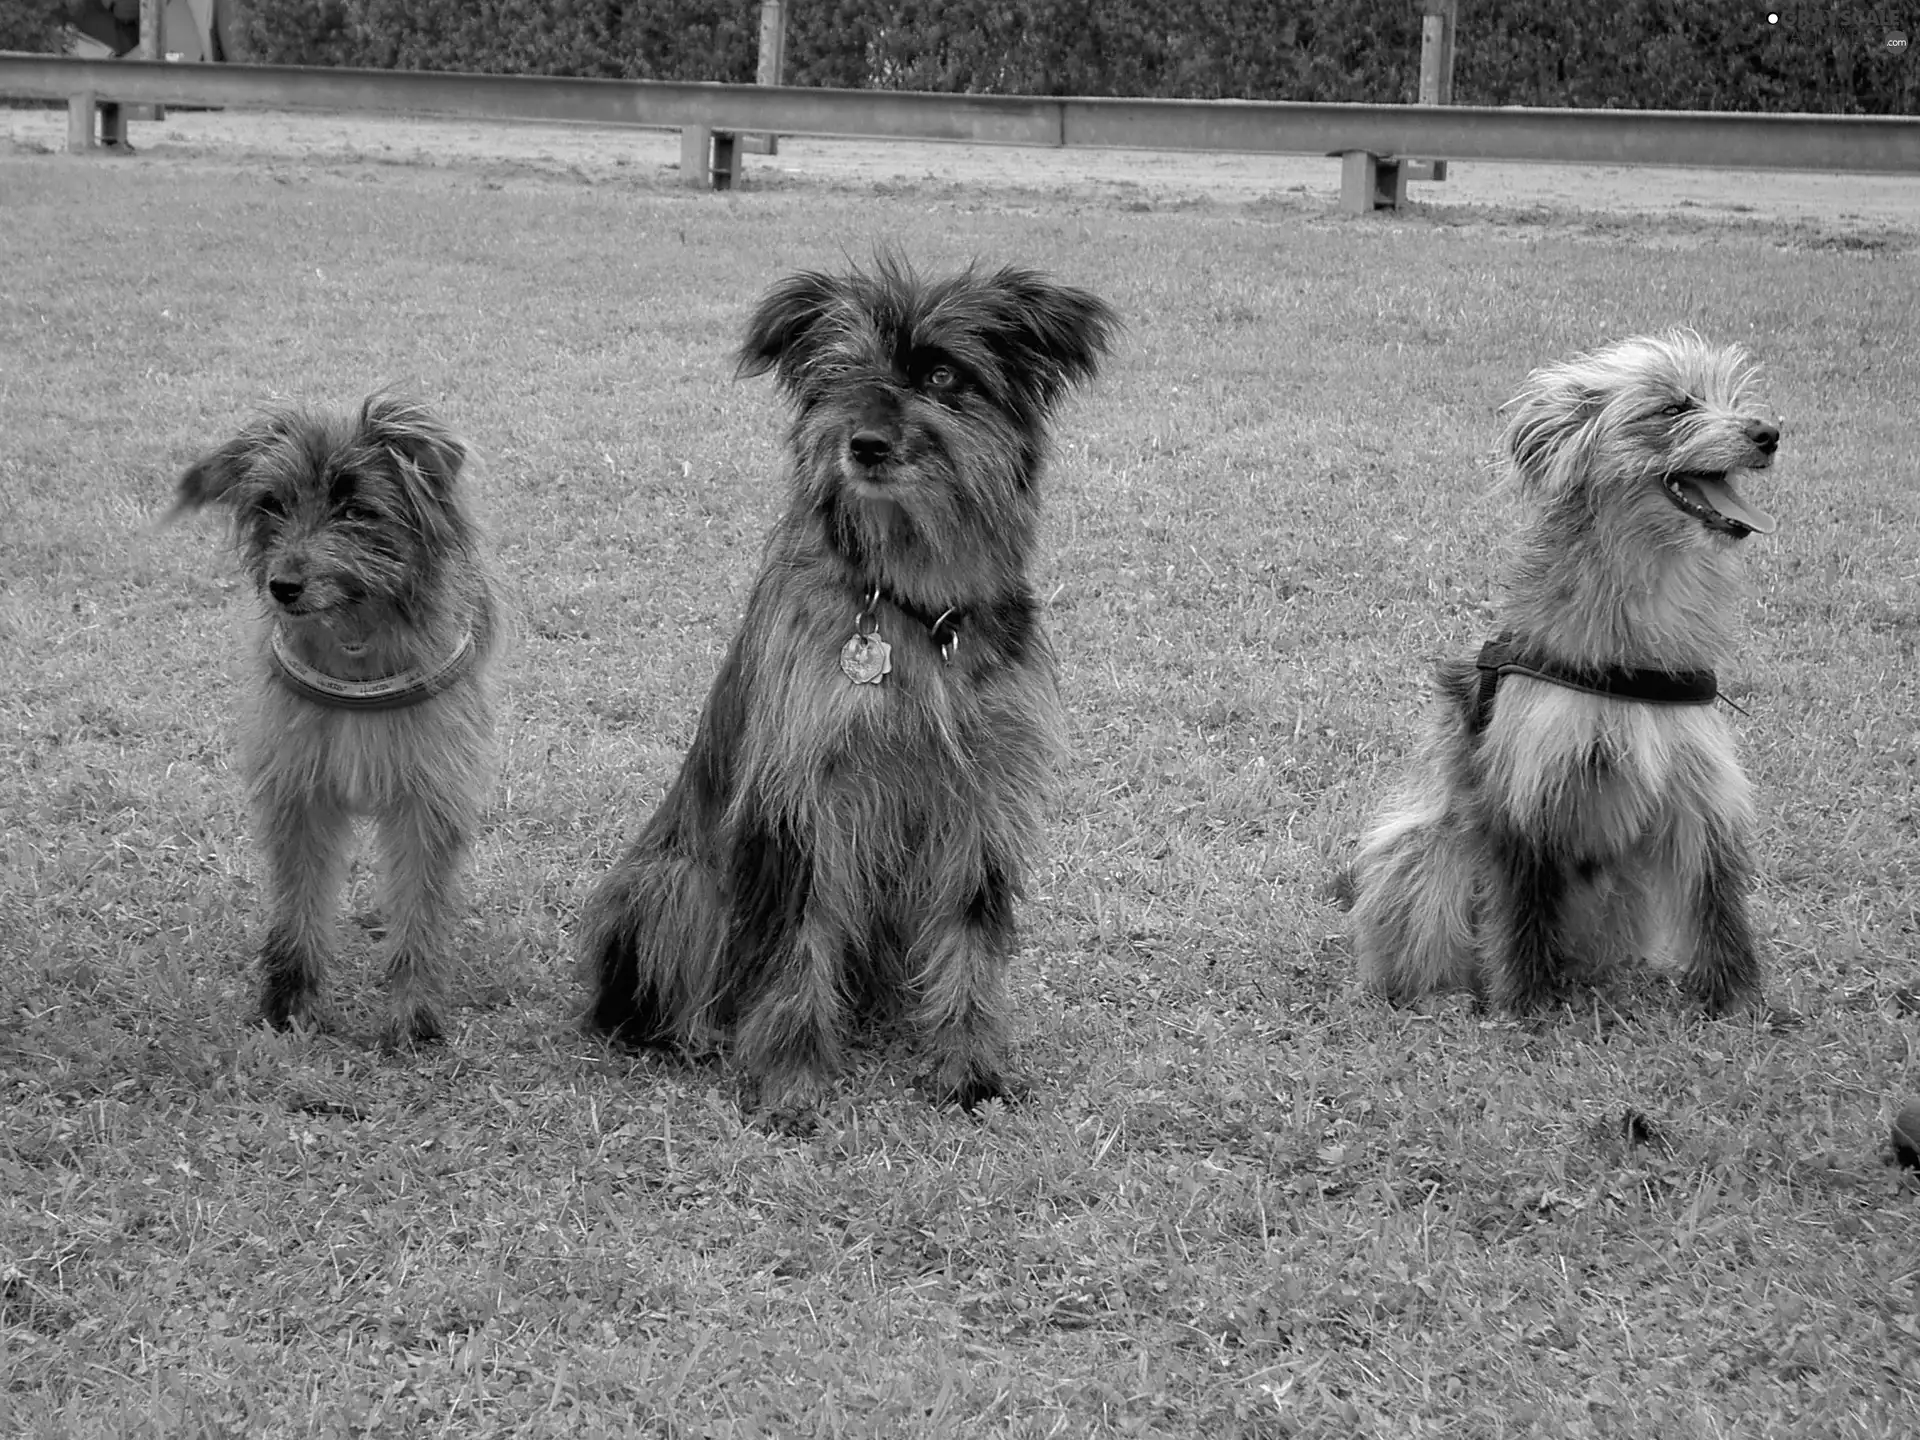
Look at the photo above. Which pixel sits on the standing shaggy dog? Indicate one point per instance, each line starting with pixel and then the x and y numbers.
pixel 861 802
pixel 370 694
pixel 1579 801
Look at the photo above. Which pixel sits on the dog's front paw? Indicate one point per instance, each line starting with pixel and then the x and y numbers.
pixel 800 1121
pixel 307 1017
pixel 788 1105
pixel 969 1085
pixel 1751 1007
pixel 290 983
pixel 411 1025
pixel 1725 997
pixel 292 1007
pixel 1524 997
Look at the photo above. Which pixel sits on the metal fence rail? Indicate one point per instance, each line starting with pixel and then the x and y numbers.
pixel 1862 144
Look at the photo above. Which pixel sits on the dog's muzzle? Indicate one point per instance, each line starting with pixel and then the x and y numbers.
pixel 1712 500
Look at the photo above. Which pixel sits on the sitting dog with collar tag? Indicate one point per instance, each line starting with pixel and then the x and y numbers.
pixel 370 689
pixel 859 808
pixel 1579 801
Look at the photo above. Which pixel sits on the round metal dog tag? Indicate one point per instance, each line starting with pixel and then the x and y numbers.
pixel 866 659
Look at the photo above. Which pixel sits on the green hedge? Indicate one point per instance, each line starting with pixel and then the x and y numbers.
pixel 1821 58
pixel 614 39
pixel 1197 49
pixel 30 24
pixel 1825 56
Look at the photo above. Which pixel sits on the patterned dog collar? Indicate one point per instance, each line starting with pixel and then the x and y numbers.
pixel 388 692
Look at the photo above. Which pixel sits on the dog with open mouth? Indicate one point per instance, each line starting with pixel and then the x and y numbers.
pixel 1579 801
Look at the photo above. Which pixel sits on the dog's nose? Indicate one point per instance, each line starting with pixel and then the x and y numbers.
pixel 870 447
pixel 1765 436
pixel 285 591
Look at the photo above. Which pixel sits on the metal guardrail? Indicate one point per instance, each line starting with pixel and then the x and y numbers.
pixel 1860 144
pixel 660 104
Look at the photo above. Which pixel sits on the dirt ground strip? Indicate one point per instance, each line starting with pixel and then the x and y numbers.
pixel 1843 202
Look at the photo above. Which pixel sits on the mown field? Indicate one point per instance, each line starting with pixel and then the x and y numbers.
pixel 1244 1199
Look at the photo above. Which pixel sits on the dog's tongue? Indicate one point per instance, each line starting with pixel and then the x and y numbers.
pixel 1719 495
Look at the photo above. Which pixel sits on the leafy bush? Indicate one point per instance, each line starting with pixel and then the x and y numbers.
pixel 31 24
pixel 689 40
pixel 1651 54
pixel 1686 55
pixel 296 32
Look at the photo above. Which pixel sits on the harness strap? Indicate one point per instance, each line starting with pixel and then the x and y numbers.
pixel 1508 656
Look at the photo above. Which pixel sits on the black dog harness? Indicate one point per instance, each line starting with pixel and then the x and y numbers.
pixel 1508 656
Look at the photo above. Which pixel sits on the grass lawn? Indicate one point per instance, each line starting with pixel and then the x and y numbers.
pixel 1245 1199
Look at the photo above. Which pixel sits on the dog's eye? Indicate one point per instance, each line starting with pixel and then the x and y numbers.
pixel 354 512
pixel 941 377
pixel 270 506
pixel 1679 407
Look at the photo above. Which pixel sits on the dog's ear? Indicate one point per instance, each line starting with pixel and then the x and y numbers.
pixel 412 431
pixel 1054 335
pixel 784 329
pixel 211 478
pixel 1549 429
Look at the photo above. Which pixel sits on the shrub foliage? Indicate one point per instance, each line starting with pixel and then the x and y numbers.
pixel 1823 56
pixel 30 24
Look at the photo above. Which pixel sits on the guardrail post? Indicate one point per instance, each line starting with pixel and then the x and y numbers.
pixel 1370 182
pixel 696 154
pixel 709 158
pixel 80 122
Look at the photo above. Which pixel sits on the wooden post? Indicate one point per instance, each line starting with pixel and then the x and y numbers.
pixel 773 67
pixel 153 46
pixel 1437 23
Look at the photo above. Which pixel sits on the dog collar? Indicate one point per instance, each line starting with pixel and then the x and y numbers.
pixel 1507 656
pixel 867 659
pixel 388 692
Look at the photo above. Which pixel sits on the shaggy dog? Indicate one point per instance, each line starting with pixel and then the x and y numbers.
pixel 861 802
pixel 1579 801
pixel 369 693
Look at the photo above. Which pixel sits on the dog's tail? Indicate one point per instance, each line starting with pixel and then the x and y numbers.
pixel 1416 877
pixel 1413 911
pixel 651 942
